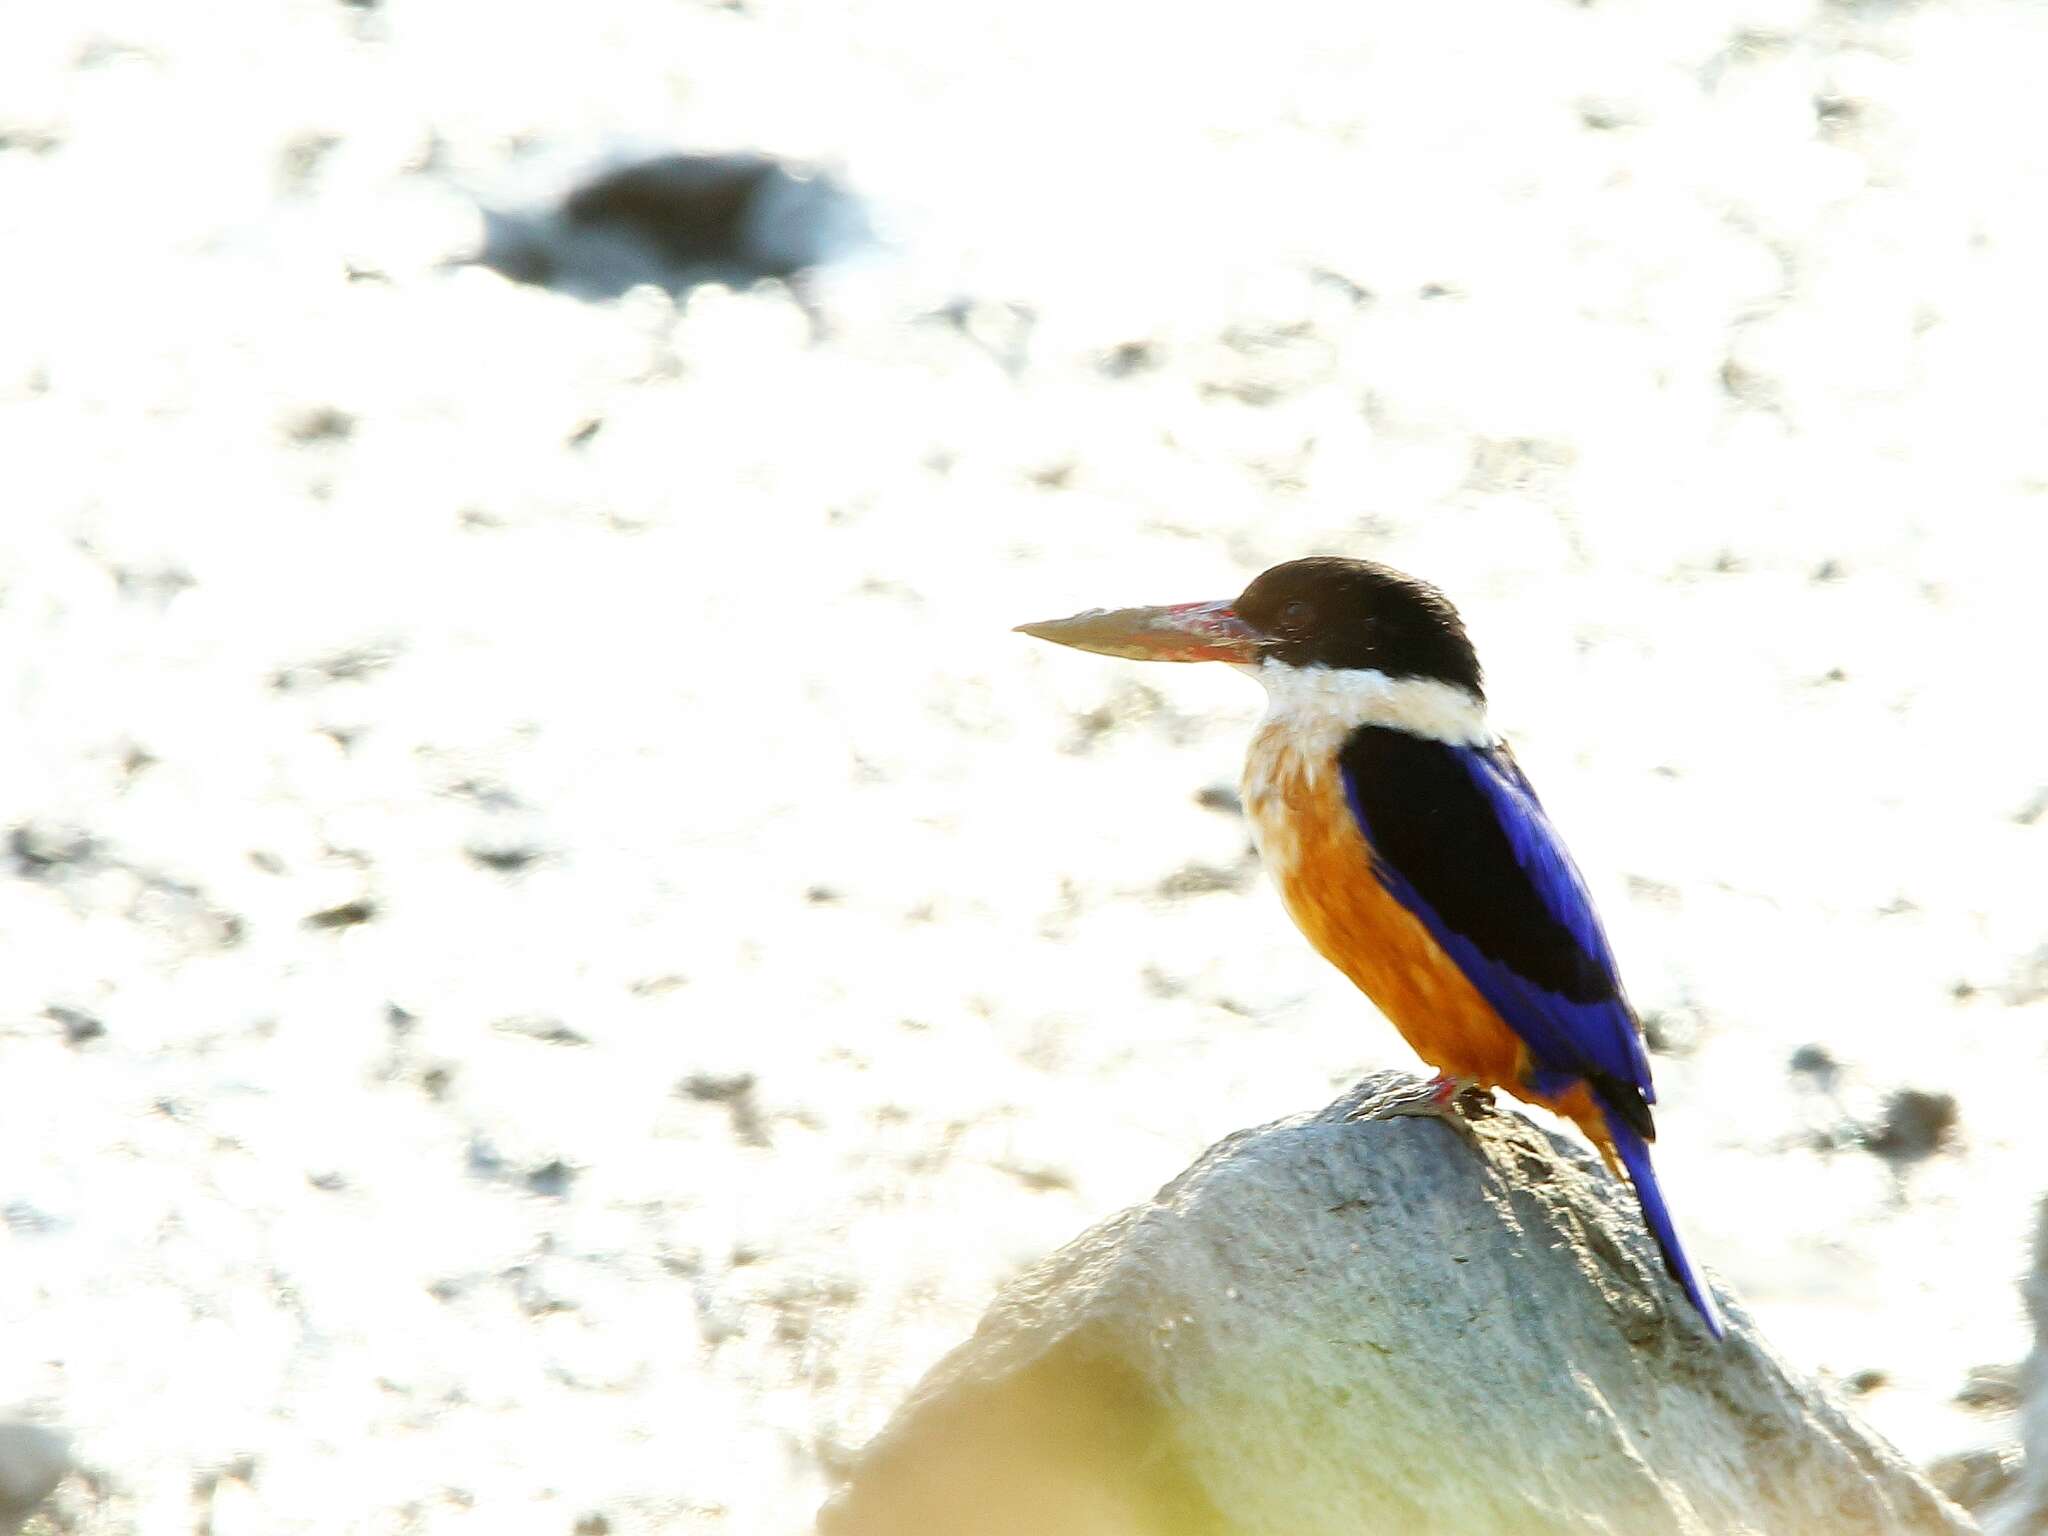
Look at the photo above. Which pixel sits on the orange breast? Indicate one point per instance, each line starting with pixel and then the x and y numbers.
pixel 1312 847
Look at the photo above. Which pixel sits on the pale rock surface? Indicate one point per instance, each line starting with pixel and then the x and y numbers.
pixel 34 1459
pixel 2024 1511
pixel 1339 1325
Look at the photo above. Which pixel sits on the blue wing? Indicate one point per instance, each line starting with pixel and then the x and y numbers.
pixel 1460 840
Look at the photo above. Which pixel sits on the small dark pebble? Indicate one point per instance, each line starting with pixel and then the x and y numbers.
pixel 1974 1478
pixel 822 895
pixel 1129 357
pixel 506 861
pixel 1990 1389
pixel 79 1026
pixel 1815 1061
pixel 39 850
pixel 736 1093
pixel 710 1088
pixel 541 1027
pixel 347 915
pixel 551 1178
pixel 1038 1178
pixel 593 1525
pixel 1866 1381
pixel 327 1179
pixel 322 424
pixel 1220 797
pixel 1914 1124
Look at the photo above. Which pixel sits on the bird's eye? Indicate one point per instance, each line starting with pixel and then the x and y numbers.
pixel 1297 615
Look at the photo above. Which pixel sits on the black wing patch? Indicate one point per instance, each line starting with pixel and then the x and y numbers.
pixel 1429 820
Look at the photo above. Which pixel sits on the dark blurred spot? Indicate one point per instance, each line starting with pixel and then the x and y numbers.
pixel 1826 571
pixel 1127 358
pixel 1605 116
pixel 1990 1389
pixel 540 1027
pixel 592 1525
pixel 552 1179
pixel 1672 1031
pixel 1974 1478
pixel 506 861
pixel 399 1020
pixel 693 207
pixel 328 1179
pixel 1222 798
pixel 40 851
pixel 1814 1061
pixel 1914 1124
pixel 78 1025
pixel 320 424
pixel 583 435
pixel 1866 1381
pixel 1355 291
pixel 736 1092
pixel 1836 117
pixel 678 220
pixel 1037 1177
pixel 347 915
pixel 823 896
pixel 350 665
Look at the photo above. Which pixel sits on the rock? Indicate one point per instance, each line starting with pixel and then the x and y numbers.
pixel 34 1459
pixel 1915 1124
pixel 1382 1325
pixel 1990 1389
pixel 1974 1478
pixel 740 216
pixel 2024 1510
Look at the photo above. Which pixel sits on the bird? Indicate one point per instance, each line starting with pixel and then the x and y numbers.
pixel 1410 849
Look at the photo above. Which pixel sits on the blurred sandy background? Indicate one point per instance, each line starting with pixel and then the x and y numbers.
pixel 556 948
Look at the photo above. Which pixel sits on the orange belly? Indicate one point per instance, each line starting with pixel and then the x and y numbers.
pixel 1312 847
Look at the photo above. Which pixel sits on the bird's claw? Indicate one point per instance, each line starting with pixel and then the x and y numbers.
pixel 1453 1100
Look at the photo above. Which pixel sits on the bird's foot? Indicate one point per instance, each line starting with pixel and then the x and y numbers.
pixel 1453 1100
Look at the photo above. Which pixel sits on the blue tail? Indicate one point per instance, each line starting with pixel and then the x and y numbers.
pixel 1635 1157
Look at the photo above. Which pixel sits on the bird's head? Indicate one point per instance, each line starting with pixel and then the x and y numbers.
pixel 1322 615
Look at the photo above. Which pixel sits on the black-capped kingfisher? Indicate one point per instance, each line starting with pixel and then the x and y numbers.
pixel 1410 849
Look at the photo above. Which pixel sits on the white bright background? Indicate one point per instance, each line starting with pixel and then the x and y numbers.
pixel 1694 350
